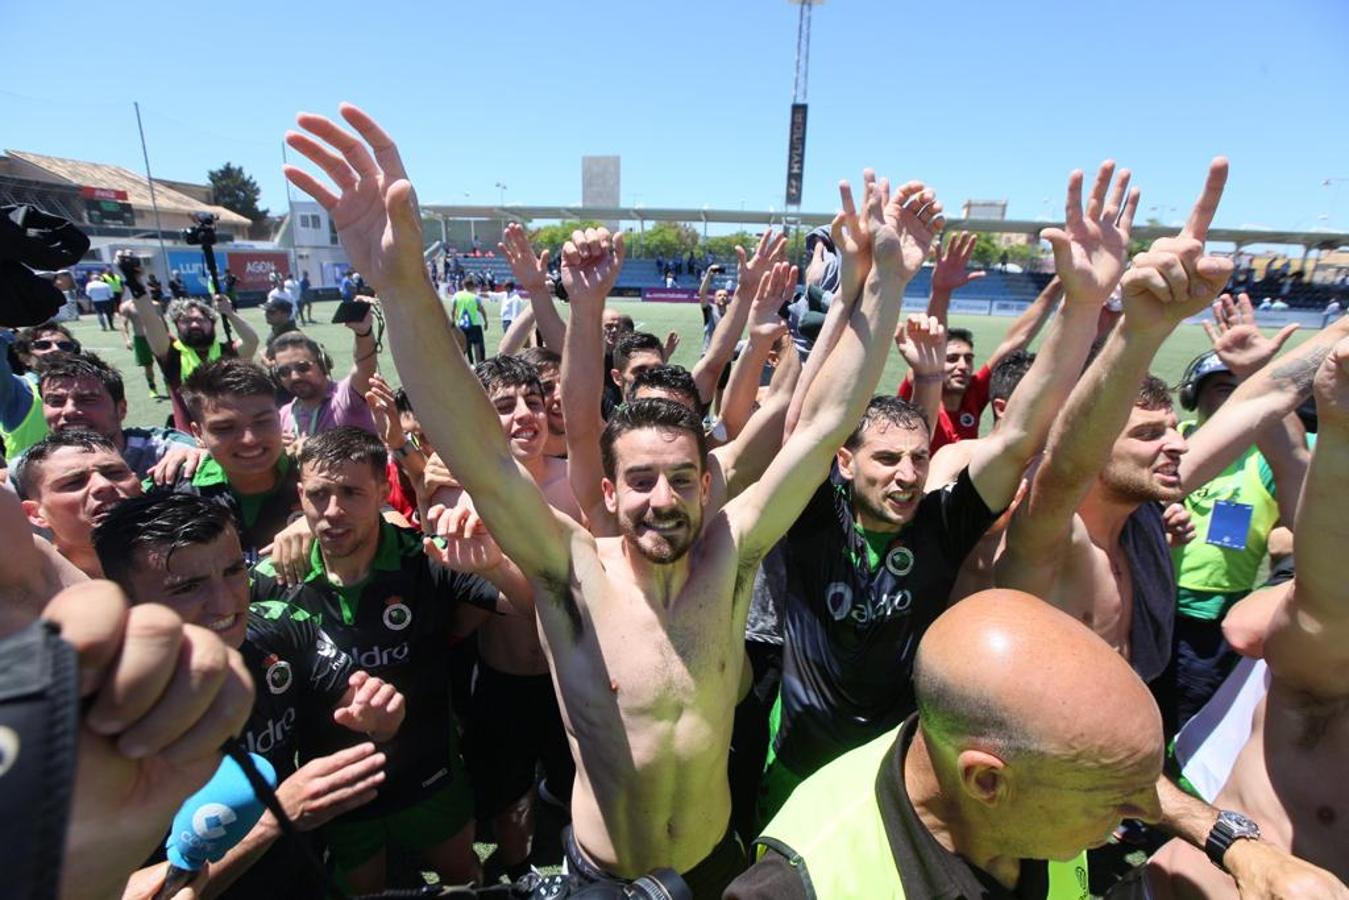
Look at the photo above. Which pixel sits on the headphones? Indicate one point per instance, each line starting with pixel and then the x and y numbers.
pixel 1188 393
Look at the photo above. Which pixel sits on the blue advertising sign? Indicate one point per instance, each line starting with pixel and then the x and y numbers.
pixel 192 267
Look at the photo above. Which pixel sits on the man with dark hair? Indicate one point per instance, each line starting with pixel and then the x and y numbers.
pixel 301 366
pixel 21 420
pixel 670 382
pixel 644 632
pixel 871 562
pixel 514 724
pixel 183 552
pixel 196 344
pixel 278 315
pixel 68 482
pixel 81 391
pixel 549 366
pixel 232 404
pixel 965 391
pixel 634 353
pixel 1089 536
pixel 396 612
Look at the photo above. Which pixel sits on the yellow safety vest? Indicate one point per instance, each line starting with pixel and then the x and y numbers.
pixel 191 360
pixel 32 429
pixel 832 832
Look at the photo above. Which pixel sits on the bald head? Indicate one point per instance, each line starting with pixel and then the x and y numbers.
pixel 1008 673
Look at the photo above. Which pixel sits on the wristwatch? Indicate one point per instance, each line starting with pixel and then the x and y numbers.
pixel 1230 828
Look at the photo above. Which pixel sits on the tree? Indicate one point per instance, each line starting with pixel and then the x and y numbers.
pixel 986 250
pixel 236 191
pixel 552 237
pixel 722 246
pixel 668 240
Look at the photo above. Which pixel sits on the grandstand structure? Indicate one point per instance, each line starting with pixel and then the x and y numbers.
pixel 638 273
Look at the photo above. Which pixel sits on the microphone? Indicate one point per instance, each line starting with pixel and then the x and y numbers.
pixel 212 821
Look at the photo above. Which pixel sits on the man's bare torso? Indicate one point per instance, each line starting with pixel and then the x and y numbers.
pixel 648 692
pixel 1289 778
pixel 1095 585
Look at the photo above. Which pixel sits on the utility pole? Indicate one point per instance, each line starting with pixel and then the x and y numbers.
pixel 796 135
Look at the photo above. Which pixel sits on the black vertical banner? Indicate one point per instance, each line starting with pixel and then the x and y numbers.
pixel 796 154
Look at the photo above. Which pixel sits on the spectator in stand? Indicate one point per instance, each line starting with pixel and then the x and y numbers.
pixel 511 305
pixel 468 313
pixel 100 293
pixel 965 390
pixel 81 392
pixel 196 344
pixel 303 368
pixel 306 299
pixel 669 278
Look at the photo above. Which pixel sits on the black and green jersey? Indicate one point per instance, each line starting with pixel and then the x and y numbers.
pixel 259 516
pixel 299 676
pixel 395 624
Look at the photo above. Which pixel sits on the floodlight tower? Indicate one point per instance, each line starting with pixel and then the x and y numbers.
pixel 796 135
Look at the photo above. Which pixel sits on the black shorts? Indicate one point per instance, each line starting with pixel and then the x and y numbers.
pixel 708 879
pixel 514 725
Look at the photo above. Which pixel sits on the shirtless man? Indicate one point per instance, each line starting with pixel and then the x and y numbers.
pixel 1086 537
pixel 1289 776
pixel 643 632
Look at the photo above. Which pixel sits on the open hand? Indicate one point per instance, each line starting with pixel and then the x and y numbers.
pixel 1332 385
pixel 1090 249
pixel 922 342
pixel 764 322
pixel 951 271
pixel 383 406
pixel 376 708
pixel 324 788
pixel 467 545
pixel 374 209
pixel 903 227
pixel 591 261
pixel 1237 339
pixel 772 248
pixel 531 272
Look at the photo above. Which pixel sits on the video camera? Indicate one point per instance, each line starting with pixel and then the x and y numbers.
pixel 203 233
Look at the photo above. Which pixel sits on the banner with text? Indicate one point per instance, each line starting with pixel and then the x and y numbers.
pixel 254 268
pixel 190 265
pixel 669 295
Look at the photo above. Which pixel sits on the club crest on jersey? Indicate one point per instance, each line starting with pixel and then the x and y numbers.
pixel 966 419
pixel 899 561
pixel 279 675
pixel 838 598
pixel 397 616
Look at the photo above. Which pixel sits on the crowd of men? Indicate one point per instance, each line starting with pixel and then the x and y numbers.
pixel 752 622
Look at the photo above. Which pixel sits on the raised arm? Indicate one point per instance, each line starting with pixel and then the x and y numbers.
pixel 922 342
pixel 247 344
pixel 376 217
pixel 765 327
pixel 1028 324
pixel 707 371
pixel 531 273
pixel 156 332
pixel 364 353
pixel 1169 282
pixel 1308 646
pixel 902 229
pixel 517 335
pixel 590 266
pixel 951 272
pixel 1089 254
pixel 851 235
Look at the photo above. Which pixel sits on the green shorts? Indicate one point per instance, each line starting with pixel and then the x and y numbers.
pixel 778 781
pixel 141 348
pixel 432 821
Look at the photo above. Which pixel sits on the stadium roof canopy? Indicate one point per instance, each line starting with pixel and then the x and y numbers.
pixel 1241 237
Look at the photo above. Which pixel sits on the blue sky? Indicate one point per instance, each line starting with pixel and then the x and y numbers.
pixel 980 99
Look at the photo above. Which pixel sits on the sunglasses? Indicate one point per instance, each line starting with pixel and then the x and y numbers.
pixel 45 344
pixel 299 368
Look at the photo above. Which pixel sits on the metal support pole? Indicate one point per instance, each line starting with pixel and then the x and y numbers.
pixel 154 203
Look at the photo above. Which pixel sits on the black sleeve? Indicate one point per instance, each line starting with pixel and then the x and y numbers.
pixel 964 516
pixel 821 512
pixel 451 587
pixel 707 314
pixel 771 878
